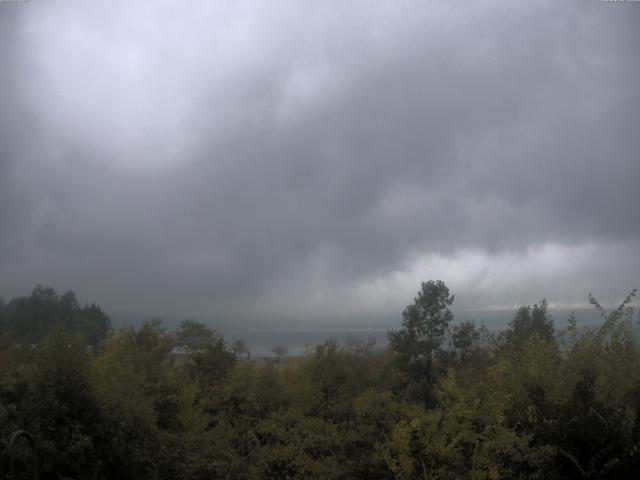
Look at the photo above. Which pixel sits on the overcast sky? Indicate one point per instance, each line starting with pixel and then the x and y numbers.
pixel 317 160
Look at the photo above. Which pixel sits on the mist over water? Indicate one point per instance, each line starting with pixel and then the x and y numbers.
pixel 298 338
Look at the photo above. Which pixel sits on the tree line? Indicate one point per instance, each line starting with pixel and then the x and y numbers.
pixel 31 319
pixel 443 400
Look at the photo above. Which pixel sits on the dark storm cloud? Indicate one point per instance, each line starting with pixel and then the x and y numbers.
pixel 14 131
pixel 235 159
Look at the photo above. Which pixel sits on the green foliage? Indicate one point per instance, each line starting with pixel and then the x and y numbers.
pixel 194 336
pixel 425 322
pixel 209 359
pixel 47 390
pixel 418 342
pixel 527 322
pixel 30 319
pixel 468 345
pixel 151 404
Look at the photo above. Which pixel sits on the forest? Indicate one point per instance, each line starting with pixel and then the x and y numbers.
pixel 444 400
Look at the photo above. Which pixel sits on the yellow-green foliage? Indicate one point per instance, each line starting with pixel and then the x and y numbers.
pixel 537 408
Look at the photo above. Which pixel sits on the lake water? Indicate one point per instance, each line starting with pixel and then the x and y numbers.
pixel 296 340
pixel 262 343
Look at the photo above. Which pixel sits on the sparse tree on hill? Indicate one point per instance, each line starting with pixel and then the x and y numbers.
pixel 279 351
pixel 241 349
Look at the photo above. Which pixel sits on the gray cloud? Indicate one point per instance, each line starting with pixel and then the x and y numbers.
pixel 234 159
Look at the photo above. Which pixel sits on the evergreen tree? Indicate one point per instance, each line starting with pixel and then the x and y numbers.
pixel 529 321
pixel 424 326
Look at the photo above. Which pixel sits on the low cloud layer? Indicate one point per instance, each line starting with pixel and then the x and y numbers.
pixel 241 161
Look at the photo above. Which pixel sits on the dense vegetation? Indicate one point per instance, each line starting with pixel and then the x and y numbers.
pixel 31 319
pixel 444 400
